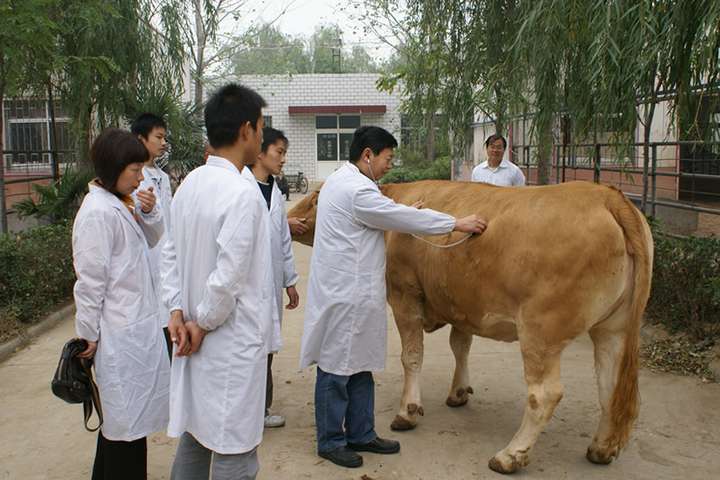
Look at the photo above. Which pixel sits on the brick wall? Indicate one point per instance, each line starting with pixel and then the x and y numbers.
pixel 283 91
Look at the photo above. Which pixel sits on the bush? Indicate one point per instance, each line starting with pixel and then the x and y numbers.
pixel 60 200
pixel 37 271
pixel 686 285
pixel 439 169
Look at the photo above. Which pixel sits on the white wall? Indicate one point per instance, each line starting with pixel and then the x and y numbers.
pixel 283 91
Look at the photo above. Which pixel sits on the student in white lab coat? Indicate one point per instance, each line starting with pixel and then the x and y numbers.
pixel 345 326
pixel 270 163
pixel 116 305
pixel 152 132
pixel 218 285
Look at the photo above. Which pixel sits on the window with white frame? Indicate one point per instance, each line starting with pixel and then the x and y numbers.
pixel 27 133
pixel 334 135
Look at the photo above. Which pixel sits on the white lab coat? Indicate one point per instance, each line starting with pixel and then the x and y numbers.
pixel 283 262
pixel 116 306
pixel 215 269
pixel 345 330
pixel 160 181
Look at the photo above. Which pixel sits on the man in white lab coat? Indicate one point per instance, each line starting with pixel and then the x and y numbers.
pixel 270 163
pixel 345 318
pixel 152 132
pixel 218 286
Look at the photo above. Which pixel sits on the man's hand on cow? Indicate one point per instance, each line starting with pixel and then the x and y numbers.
pixel 197 335
pixel 179 334
pixel 147 199
pixel 419 204
pixel 297 225
pixel 294 297
pixel 470 224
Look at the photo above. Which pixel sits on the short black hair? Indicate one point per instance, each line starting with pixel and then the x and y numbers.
pixel 227 110
pixel 145 123
pixel 493 137
pixel 112 151
pixel 375 138
pixel 271 136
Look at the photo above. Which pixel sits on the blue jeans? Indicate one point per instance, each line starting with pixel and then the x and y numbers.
pixel 344 409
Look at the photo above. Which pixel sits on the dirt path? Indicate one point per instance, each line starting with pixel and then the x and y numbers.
pixel 678 435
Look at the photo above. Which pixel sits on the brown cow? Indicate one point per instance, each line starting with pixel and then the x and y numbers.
pixel 555 262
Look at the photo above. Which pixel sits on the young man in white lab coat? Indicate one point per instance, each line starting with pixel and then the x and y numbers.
pixel 270 163
pixel 152 132
pixel 219 290
pixel 345 326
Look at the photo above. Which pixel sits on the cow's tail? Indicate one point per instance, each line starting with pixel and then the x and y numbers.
pixel 625 403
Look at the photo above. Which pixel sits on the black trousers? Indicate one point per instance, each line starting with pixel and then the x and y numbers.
pixel 168 342
pixel 120 460
pixel 269 386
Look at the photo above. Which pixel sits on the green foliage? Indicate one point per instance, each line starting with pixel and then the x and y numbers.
pixel 686 284
pixel 95 54
pixel 591 61
pixel 439 169
pixel 269 51
pixel 185 129
pixel 266 50
pixel 114 50
pixel 37 271
pixel 58 201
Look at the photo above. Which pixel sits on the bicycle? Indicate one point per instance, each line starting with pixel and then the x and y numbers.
pixel 299 182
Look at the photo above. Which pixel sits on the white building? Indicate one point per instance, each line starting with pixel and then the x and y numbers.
pixel 320 112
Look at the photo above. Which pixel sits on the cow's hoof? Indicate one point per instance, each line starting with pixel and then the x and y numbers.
pixel 505 463
pixel 460 397
pixel 402 423
pixel 600 456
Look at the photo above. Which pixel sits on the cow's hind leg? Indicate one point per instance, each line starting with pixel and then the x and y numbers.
pixel 409 321
pixel 542 374
pixel 609 339
pixel 460 389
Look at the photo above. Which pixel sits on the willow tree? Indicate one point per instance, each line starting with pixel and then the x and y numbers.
pixel 590 61
pixel 136 44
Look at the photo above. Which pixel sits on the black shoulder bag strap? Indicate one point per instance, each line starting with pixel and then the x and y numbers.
pixel 94 400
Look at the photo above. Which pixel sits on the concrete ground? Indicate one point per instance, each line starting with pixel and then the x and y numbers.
pixel 677 436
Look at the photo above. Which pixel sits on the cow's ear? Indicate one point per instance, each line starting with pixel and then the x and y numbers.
pixel 314 198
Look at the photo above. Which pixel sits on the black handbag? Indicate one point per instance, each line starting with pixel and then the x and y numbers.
pixel 73 381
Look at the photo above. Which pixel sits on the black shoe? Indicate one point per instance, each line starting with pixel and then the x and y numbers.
pixel 379 445
pixel 344 457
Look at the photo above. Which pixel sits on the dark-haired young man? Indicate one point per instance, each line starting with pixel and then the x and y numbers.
pixel 269 163
pixel 219 290
pixel 152 130
pixel 345 326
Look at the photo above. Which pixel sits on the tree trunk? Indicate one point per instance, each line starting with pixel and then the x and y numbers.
pixel 3 211
pixel 430 137
pixel 84 137
pixel 647 130
pixel 500 113
pixel 53 133
pixel 544 153
pixel 200 55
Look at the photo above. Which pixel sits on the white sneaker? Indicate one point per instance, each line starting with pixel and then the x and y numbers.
pixel 274 421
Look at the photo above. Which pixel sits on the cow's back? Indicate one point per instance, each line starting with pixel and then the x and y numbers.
pixel 551 247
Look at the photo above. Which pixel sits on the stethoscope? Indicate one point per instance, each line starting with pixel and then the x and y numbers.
pixel 436 245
